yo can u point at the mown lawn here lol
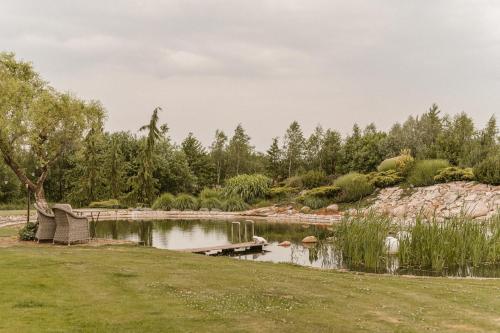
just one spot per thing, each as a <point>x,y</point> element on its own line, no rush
<point>133,289</point>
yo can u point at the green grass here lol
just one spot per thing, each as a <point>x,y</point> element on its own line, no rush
<point>9,231</point>
<point>129,289</point>
<point>12,212</point>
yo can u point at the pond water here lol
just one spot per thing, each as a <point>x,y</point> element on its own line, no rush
<point>184,234</point>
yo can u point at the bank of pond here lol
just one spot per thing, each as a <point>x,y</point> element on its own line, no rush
<point>455,247</point>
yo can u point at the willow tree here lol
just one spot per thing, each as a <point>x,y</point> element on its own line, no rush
<point>35,119</point>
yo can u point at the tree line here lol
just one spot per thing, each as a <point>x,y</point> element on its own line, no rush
<point>56,145</point>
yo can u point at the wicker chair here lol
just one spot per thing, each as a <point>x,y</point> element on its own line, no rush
<point>46,225</point>
<point>70,227</point>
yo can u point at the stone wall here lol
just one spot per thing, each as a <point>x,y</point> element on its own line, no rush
<point>442,200</point>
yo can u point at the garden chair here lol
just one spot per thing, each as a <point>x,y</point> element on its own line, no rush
<point>46,225</point>
<point>70,228</point>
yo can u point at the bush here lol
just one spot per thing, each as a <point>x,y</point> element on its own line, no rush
<point>295,182</point>
<point>210,193</point>
<point>234,204</point>
<point>28,232</point>
<point>314,178</point>
<point>282,192</point>
<point>385,178</point>
<point>164,202</point>
<point>424,171</point>
<point>210,203</point>
<point>111,203</point>
<point>185,202</point>
<point>323,192</point>
<point>402,163</point>
<point>451,174</point>
<point>354,186</point>
<point>313,202</point>
<point>247,187</point>
<point>488,171</point>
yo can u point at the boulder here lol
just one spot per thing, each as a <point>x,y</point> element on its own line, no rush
<point>285,244</point>
<point>476,209</point>
<point>334,208</point>
<point>310,239</point>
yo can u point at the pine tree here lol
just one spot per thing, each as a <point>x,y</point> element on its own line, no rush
<point>239,152</point>
<point>218,152</point>
<point>198,160</point>
<point>294,144</point>
<point>274,161</point>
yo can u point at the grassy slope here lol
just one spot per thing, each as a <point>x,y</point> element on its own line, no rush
<point>120,289</point>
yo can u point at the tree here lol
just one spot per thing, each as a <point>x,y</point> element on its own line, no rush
<point>239,152</point>
<point>115,165</point>
<point>37,119</point>
<point>314,158</point>
<point>456,139</point>
<point>218,152</point>
<point>144,184</point>
<point>293,147</point>
<point>274,161</point>
<point>198,160</point>
<point>330,151</point>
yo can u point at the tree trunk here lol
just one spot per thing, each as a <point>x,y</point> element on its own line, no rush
<point>40,199</point>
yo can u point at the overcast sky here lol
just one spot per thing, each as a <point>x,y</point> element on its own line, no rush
<point>214,64</point>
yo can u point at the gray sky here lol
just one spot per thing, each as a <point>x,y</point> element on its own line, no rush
<point>213,64</point>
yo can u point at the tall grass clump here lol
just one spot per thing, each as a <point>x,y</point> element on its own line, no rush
<point>423,173</point>
<point>234,204</point>
<point>185,202</point>
<point>354,186</point>
<point>247,187</point>
<point>455,243</point>
<point>164,202</point>
<point>361,240</point>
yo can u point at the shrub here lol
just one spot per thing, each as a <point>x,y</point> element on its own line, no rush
<point>453,174</point>
<point>313,202</point>
<point>323,192</point>
<point>314,178</point>
<point>210,203</point>
<point>185,202</point>
<point>402,163</point>
<point>247,187</point>
<point>28,232</point>
<point>111,203</point>
<point>282,192</point>
<point>210,193</point>
<point>385,178</point>
<point>234,204</point>
<point>164,202</point>
<point>295,181</point>
<point>354,186</point>
<point>424,171</point>
<point>488,171</point>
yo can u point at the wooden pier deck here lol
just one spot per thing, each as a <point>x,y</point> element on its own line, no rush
<point>227,249</point>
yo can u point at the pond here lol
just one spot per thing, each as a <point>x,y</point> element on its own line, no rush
<point>184,234</point>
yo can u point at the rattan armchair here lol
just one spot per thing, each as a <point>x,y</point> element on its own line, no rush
<point>70,228</point>
<point>46,225</point>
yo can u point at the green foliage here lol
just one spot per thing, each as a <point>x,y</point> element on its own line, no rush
<point>185,201</point>
<point>488,171</point>
<point>211,203</point>
<point>234,204</point>
<point>402,163</point>
<point>209,193</point>
<point>388,164</point>
<point>28,232</point>
<point>329,192</point>
<point>282,192</point>
<point>361,240</point>
<point>314,178</point>
<point>454,174</point>
<point>387,178</point>
<point>354,186</point>
<point>111,203</point>
<point>424,171</point>
<point>164,202</point>
<point>294,182</point>
<point>247,187</point>
<point>457,242</point>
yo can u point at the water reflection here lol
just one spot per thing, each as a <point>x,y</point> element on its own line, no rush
<point>181,234</point>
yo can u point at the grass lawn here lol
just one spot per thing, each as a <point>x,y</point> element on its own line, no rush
<point>12,212</point>
<point>125,288</point>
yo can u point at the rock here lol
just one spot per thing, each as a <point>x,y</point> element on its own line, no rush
<point>285,244</point>
<point>305,210</point>
<point>399,211</point>
<point>203,209</point>
<point>334,208</point>
<point>310,239</point>
<point>476,209</point>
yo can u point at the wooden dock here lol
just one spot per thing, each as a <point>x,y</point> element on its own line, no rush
<point>227,249</point>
